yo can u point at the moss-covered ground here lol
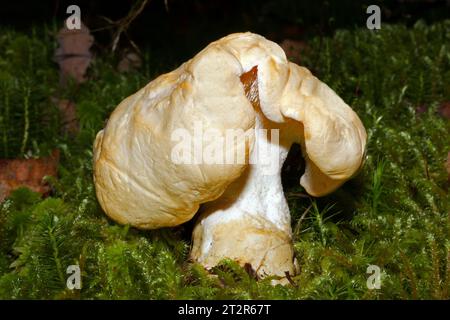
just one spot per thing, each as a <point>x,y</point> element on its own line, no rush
<point>394,214</point>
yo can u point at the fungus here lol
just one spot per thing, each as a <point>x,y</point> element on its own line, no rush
<point>242,82</point>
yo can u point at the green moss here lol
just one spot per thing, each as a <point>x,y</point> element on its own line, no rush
<point>394,214</point>
<point>29,121</point>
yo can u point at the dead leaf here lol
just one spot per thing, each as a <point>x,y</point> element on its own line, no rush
<point>73,55</point>
<point>15,173</point>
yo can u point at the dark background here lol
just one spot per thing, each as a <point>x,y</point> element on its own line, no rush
<point>179,28</point>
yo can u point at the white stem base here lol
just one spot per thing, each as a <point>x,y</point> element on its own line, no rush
<point>250,222</point>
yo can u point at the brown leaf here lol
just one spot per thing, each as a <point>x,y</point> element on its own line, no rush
<point>73,55</point>
<point>15,173</point>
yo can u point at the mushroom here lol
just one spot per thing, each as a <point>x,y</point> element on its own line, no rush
<point>244,83</point>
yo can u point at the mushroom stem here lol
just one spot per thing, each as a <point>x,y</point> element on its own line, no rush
<point>250,223</point>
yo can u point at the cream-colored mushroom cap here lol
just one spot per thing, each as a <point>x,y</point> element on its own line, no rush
<point>334,137</point>
<point>138,183</point>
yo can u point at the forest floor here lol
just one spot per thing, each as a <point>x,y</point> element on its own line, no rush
<point>394,214</point>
